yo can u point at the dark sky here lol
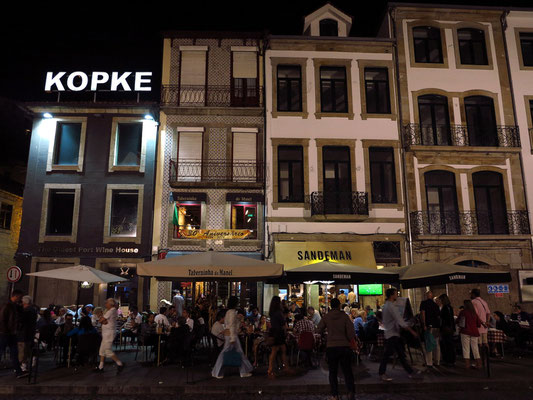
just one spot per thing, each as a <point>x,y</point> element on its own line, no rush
<point>119,35</point>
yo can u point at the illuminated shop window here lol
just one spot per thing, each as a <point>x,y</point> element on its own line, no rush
<point>244,216</point>
<point>187,216</point>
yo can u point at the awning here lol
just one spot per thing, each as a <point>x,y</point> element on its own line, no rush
<point>210,265</point>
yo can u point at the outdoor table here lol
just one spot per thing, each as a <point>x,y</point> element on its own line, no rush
<point>496,336</point>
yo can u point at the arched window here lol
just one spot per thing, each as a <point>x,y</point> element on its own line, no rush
<point>472,47</point>
<point>427,45</point>
<point>481,121</point>
<point>489,196</point>
<point>441,196</point>
<point>472,263</point>
<point>434,120</point>
<point>329,27</point>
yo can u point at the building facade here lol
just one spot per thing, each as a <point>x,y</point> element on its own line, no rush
<point>334,187</point>
<point>210,173</point>
<point>89,198</point>
<point>466,202</point>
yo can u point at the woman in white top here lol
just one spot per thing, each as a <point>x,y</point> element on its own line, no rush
<point>232,342</point>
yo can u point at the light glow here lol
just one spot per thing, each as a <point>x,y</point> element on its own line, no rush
<point>47,115</point>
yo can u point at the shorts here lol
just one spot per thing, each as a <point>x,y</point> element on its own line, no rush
<point>106,349</point>
<point>483,339</point>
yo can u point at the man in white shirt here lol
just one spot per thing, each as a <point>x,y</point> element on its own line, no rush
<point>218,328</point>
<point>178,301</point>
<point>188,318</point>
<point>313,315</point>
<point>161,318</point>
<point>109,326</point>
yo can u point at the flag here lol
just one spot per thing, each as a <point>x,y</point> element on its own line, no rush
<point>175,218</point>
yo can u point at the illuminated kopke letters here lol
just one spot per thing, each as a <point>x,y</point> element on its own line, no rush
<point>78,81</point>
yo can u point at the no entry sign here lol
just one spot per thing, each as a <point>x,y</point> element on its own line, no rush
<point>14,274</point>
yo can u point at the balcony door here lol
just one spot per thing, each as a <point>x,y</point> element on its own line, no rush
<point>189,163</point>
<point>441,196</point>
<point>244,157</point>
<point>481,121</point>
<point>491,210</point>
<point>244,87</point>
<point>337,180</point>
<point>434,120</point>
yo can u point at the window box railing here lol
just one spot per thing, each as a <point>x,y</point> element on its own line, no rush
<point>212,171</point>
<point>455,135</point>
<point>210,96</point>
<point>346,203</point>
<point>469,223</point>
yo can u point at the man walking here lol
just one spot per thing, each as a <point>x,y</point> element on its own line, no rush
<point>340,333</point>
<point>178,301</point>
<point>483,312</point>
<point>26,332</point>
<point>109,326</point>
<point>393,321</point>
<point>10,315</point>
<point>430,316</point>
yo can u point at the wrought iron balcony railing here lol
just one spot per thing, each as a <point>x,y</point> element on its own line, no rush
<point>223,171</point>
<point>459,135</point>
<point>469,223</point>
<point>348,203</point>
<point>211,96</point>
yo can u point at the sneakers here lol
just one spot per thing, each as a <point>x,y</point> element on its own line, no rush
<point>385,378</point>
<point>120,368</point>
<point>246,375</point>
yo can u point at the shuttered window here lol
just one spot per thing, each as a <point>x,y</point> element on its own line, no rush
<point>190,156</point>
<point>244,64</point>
<point>193,67</point>
<point>244,156</point>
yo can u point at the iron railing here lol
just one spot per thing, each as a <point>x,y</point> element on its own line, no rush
<point>349,203</point>
<point>211,96</point>
<point>458,135</point>
<point>241,171</point>
<point>470,223</point>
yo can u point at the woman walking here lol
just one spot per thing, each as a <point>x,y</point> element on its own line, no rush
<point>447,329</point>
<point>232,343</point>
<point>276,337</point>
<point>469,323</point>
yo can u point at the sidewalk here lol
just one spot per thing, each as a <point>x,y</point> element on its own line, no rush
<point>141,379</point>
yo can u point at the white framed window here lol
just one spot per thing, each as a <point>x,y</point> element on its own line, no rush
<point>66,146</point>
<point>123,213</point>
<point>60,213</point>
<point>128,143</point>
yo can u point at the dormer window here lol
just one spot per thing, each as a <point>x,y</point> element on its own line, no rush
<point>329,27</point>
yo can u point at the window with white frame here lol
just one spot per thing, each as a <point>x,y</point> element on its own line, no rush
<point>60,212</point>
<point>123,213</point>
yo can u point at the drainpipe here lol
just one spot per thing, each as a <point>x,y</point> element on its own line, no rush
<point>402,144</point>
<point>503,21</point>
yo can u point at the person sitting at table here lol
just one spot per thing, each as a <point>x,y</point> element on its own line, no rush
<point>98,313</point>
<point>359,323</point>
<point>148,328</point>
<point>179,341</point>
<point>261,332</point>
<point>131,327</point>
<point>161,318</point>
<point>218,329</point>
<point>88,340</point>
<point>519,315</point>
<point>171,314</point>
<point>60,317</point>
<point>354,313</point>
<point>294,309</point>
<point>61,336</point>
<point>253,316</point>
<point>313,315</point>
<point>188,320</point>
<point>371,327</point>
<point>301,325</point>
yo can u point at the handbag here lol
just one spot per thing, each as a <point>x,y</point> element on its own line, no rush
<point>430,341</point>
<point>232,358</point>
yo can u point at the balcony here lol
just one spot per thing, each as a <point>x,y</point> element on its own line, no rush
<point>339,203</point>
<point>457,135</point>
<point>469,223</point>
<point>216,173</point>
<point>211,96</point>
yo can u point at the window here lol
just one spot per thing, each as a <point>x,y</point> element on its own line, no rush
<point>434,120</point>
<point>481,121</point>
<point>128,143</point>
<point>290,174</point>
<point>427,45</point>
<point>245,91</point>
<point>244,216</point>
<point>60,212</point>
<point>333,93</point>
<point>441,196</point>
<point>329,27</point>
<point>337,180</point>
<point>192,78</point>
<point>244,156</point>
<point>491,210</point>
<point>526,44</point>
<point>472,47</point>
<point>189,166</point>
<point>377,91</point>
<point>289,88</point>
<point>187,216</point>
<point>124,208</point>
<point>67,143</point>
<point>382,175</point>
<point>6,212</point>
<point>472,263</point>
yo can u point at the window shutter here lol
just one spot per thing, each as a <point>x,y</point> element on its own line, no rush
<point>244,146</point>
<point>190,146</point>
<point>244,64</point>
<point>193,67</point>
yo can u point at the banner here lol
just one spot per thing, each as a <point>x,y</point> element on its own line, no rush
<point>214,234</point>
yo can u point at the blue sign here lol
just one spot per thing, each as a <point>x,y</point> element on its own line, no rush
<point>501,288</point>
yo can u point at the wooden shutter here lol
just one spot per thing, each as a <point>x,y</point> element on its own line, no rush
<point>244,64</point>
<point>193,68</point>
<point>190,156</point>
<point>244,156</point>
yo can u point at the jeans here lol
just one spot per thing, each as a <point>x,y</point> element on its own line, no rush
<point>10,341</point>
<point>394,345</point>
<point>342,355</point>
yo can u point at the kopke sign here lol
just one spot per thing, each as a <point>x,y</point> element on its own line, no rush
<point>495,289</point>
<point>79,81</point>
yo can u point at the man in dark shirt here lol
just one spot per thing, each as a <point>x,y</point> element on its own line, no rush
<point>430,316</point>
<point>10,316</point>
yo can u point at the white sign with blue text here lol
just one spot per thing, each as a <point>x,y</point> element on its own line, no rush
<point>500,288</point>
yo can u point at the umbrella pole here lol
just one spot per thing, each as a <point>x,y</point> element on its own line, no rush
<point>77,304</point>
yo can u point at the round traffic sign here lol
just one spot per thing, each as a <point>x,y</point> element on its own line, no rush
<point>14,274</point>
